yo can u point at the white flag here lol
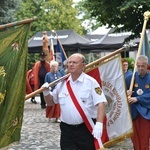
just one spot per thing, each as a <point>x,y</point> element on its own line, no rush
<point>118,122</point>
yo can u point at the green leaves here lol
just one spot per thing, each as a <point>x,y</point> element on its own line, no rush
<point>129,14</point>
<point>7,9</point>
<point>52,15</point>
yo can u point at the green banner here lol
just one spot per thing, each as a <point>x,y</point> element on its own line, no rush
<point>13,67</point>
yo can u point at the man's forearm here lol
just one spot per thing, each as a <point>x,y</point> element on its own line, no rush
<point>101,112</point>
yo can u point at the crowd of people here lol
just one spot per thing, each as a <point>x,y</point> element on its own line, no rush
<point>79,102</point>
<point>41,72</point>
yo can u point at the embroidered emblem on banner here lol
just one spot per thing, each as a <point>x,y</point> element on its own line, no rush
<point>98,90</point>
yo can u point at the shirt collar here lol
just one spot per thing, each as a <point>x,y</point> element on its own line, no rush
<point>80,78</point>
<point>144,75</point>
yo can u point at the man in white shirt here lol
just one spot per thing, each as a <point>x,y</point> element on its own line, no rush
<point>82,89</point>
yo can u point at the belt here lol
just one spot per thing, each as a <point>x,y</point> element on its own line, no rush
<point>74,125</point>
<point>77,125</point>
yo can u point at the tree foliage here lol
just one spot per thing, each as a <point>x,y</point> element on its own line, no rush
<point>87,21</point>
<point>116,13</point>
<point>52,15</point>
<point>7,10</point>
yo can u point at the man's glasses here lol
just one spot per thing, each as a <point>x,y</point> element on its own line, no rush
<point>74,62</point>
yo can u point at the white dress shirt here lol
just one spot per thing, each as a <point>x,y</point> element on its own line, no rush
<point>85,89</point>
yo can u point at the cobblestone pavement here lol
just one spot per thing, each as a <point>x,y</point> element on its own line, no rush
<point>39,133</point>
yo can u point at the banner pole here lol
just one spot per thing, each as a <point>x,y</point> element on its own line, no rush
<point>45,47</point>
<point>42,89</point>
<point>60,44</point>
<point>18,23</point>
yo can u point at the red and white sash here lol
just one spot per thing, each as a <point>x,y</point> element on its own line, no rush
<point>84,114</point>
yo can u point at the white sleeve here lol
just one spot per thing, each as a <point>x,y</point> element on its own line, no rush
<point>98,94</point>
